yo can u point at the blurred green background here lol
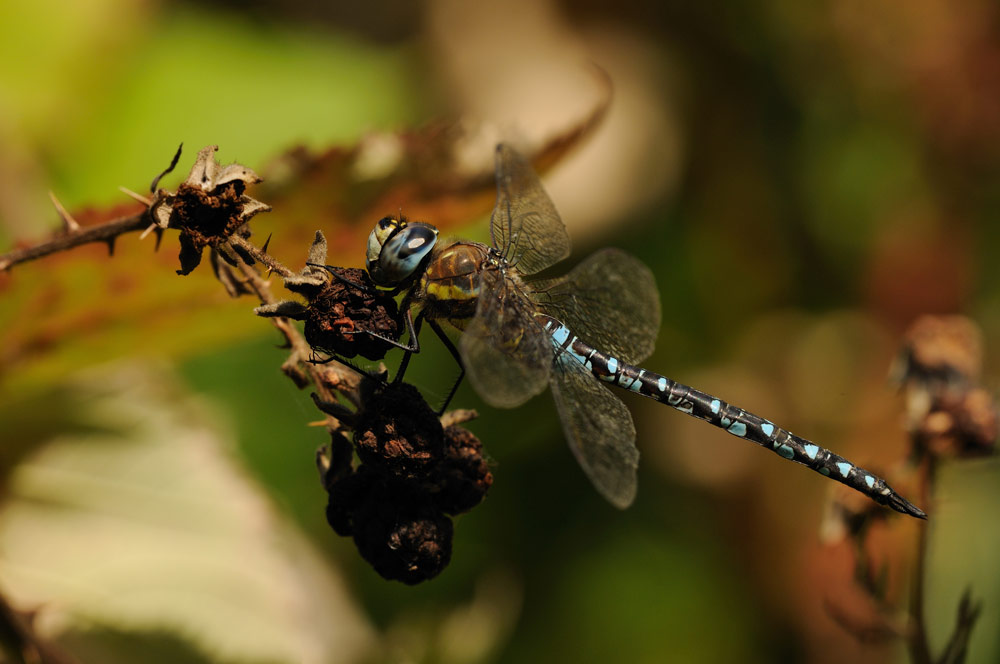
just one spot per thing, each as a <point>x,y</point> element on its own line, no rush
<point>805,179</point>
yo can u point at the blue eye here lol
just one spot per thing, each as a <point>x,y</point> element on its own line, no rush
<point>400,253</point>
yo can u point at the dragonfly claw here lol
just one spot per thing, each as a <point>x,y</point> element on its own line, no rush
<point>902,505</point>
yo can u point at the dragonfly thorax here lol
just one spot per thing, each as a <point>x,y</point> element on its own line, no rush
<point>398,249</point>
<point>450,284</point>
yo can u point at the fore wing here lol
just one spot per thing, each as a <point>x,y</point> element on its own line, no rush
<point>507,354</point>
<point>525,225</point>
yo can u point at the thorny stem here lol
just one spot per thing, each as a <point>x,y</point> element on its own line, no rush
<point>300,349</point>
<point>260,255</point>
<point>106,232</point>
<point>74,236</point>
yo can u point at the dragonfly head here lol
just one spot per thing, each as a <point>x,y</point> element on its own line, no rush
<point>397,249</point>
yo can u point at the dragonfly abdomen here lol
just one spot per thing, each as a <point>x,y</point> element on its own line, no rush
<point>732,419</point>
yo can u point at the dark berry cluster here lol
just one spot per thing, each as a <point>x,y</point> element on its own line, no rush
<point>414,473</point>
<point>345,309</point>
<point>345,314</point>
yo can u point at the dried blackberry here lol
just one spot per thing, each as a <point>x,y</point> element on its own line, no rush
<point>342,307</point>
<point>399,433</point>
<point>340,316</point>
<point>461,479</point>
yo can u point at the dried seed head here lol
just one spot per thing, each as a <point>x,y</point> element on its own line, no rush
<point>461,479</point>
<point>399,433</point>
<point>947,414</point>
<point>340,315</point>
<point>944,349</point>
<point>960,425</point>
<point>208,207</point>
<point>343,308</point>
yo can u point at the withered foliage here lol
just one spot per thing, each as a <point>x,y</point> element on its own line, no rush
<point>948,417</point>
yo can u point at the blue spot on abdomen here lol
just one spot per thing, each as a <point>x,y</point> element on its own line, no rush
<point>738,429</point>
<point>560,334</point>
<point>637,383</point>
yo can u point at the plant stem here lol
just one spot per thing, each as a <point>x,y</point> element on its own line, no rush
<point>918,645</point>
<point>106,232</point>
<point>260,255</point>
<point>347,380</point>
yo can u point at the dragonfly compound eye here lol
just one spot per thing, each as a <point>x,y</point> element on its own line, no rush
<point>384,229</point>
<point>402,253</point>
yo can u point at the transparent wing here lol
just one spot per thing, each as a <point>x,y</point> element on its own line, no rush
<point>525,225</point>
<point>507,354</point>
<point>610,300</point>
<point>599,430</point>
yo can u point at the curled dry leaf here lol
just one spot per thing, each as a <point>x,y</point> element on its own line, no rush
<point>427,173</point>
<point>339,188</point>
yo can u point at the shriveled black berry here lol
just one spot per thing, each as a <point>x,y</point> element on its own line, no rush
<point>461,479</point>
<point>399,433</point>
<point>401,533</point>
<point>340,314</point>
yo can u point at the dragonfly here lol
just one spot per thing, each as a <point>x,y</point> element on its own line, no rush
<point>578,334</point>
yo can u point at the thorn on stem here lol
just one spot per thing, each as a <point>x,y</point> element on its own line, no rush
<point>263,250</point>
<point>134,196</point>
<point>173,163</point>
<point>150,229</point>
<point>70,224</point>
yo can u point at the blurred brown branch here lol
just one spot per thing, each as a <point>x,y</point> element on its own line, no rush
<point>948,417</point>
<point>107,232</point>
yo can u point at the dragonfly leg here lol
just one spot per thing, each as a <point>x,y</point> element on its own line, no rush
<point>313,359</point>
<point>458,359</point>
<point>413,328</point>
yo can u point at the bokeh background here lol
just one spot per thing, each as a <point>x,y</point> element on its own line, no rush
<point>805,179</point>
